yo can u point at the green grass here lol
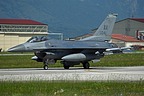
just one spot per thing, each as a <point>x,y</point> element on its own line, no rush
<point>18,61</point>
<point>136,59</point>
<point>71,88</point>
<point>24,61</point>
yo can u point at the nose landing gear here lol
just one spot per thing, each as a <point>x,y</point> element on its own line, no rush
<point>45,67</point>
<point>46,62</point>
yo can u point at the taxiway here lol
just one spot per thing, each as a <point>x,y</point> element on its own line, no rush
<point>74,73</point>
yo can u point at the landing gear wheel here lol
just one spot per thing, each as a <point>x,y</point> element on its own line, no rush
<point>66,67</point>
<point>86,65</point>
<point>45,62</point>
<point>45,67</point>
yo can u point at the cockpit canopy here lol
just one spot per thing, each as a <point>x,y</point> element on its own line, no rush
<point>38,39</point>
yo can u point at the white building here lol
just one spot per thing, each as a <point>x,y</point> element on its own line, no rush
<point>16,31</point>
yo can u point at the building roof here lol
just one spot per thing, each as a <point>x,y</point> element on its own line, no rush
<point>125,38</point>
<point>20,21</point>
<point>135,19</point>
<point>138,19</point>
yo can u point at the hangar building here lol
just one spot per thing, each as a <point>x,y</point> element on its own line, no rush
<point>16,31</point>
<point>129,32</point>
<point>129,26</point>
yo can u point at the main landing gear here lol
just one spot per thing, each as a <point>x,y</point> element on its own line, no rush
<point>67,64</point>
<point>86,65</point>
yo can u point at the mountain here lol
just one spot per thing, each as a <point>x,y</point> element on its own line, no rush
<point>70,17</point>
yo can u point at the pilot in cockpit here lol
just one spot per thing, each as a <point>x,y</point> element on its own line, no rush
<point>37,39</point>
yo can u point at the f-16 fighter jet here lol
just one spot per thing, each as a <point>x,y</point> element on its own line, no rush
<point>69,52</point>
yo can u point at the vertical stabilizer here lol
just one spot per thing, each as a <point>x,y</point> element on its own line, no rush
<point>103,33</point>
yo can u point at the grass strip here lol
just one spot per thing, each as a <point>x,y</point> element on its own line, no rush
<point>71,88</point>
<point>115,60</point>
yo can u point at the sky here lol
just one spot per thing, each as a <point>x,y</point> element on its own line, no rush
<point>71,17</point>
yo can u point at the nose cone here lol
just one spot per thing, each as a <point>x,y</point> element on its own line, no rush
<point>18,48</point>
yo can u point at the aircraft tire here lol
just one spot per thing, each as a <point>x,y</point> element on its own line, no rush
<point>86,65</point>
<point>66,66</point>
<point>45,67</point>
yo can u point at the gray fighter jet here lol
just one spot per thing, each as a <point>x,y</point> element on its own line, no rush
<point>71,53</point>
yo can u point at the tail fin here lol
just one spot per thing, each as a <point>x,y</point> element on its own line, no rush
<point>103,33</point>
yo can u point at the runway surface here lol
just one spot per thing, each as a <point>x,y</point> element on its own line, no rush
<point>74,73</point>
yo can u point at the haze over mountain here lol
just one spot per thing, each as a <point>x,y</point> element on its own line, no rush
<point>71,17</point>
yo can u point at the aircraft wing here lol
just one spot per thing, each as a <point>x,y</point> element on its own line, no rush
<point>68,48</point>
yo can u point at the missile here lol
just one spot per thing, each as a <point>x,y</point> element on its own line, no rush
<point>75,57</point>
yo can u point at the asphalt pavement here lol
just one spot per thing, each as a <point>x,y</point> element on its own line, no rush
<point>74,73</point>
